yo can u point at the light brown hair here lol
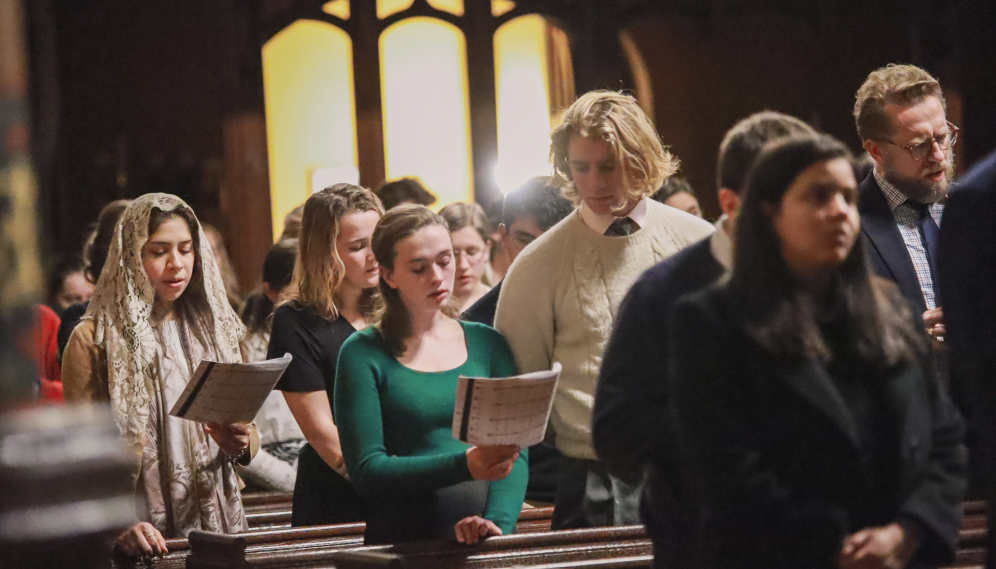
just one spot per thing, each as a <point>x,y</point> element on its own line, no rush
<point>894,84</point>
<point>399,223</point>
<point>617,119</point>
<point>459,215</point>
<point>319,271</point>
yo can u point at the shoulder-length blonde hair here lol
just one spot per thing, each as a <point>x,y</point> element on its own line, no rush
<point>617,119</point>
<point>319,271</point>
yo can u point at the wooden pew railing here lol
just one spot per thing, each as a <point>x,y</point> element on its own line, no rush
<point>325,545</point>
<point>531,520</point>
<point>501,551</point>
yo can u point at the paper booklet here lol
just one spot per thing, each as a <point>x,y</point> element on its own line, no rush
<point>504,410</point>
<point>228,393</point>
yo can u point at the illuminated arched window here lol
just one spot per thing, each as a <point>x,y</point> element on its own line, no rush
<point>532,87</point>
<point>426,110</point>
<point>310,117</point>
<point>409,113</point>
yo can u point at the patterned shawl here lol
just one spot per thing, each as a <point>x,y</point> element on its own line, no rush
<point>122,305</point>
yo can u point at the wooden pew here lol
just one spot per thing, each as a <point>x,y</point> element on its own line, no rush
<point>263,499</point>
<point>971,547</point>
<point>501,551</point>
<point>269,519</point>
<point>531,520</point>
<point>267,510</point>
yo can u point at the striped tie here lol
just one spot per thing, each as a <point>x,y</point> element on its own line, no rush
<point>622,227</point>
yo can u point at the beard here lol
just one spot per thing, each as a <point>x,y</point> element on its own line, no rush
<point>920,189</point>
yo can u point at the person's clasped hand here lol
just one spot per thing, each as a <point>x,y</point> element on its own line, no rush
<point>886,547</point>
<point>933,319</point>
<point>491,463</point>
<point>233,439</point>
<point>471,530</point>
<point>142,539</point>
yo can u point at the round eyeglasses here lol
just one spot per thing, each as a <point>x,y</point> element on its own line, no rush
<point>923,149</point>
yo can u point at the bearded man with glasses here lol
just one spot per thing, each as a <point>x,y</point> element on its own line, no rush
<point>900,115</point>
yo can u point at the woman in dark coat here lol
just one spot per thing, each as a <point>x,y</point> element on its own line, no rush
<point>808,421</point>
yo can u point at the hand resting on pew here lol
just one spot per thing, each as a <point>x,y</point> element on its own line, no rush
<point>885,547</point>
<point>470,530</point>
<point>142,539</point>
<point>491,463</point>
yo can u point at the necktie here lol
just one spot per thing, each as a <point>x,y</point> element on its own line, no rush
<point>622,227</point>
<point>929,231</point>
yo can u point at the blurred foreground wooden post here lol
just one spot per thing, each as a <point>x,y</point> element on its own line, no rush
<point>20,272</point>
<point>65,487</point>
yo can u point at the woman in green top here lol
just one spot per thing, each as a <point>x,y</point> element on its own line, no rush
<point>395,393</point>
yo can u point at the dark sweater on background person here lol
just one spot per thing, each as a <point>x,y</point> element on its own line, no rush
<point>483,311</point>
<point>630,419</point>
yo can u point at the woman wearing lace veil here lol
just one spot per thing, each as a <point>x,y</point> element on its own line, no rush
<point>158,310</point>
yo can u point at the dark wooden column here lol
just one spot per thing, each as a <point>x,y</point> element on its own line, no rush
<point>598,58</point>
<point>977,78</point>
<point>479,30</point>
<point>365,34</point>
<point>245,192</point>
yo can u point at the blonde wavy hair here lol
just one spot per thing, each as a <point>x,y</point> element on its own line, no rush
<point>895,84</point>
<point>617,119</point>
<point>319,271</point>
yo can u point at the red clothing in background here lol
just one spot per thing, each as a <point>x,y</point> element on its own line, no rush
<point>46,354</point>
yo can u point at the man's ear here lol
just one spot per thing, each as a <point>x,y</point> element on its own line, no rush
<point>874,149</point>
<point>270,293</point>
<point>388,276</point>
<point>729,202</point>
<point>503,236</point>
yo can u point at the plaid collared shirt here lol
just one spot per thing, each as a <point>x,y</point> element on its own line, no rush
<point>908,222</point>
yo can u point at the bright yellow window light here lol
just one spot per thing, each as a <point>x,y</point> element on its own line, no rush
<point>310,116</point>
<point>426,110</point>
<point>387,7</point>
<point>454,7</point>
<point>523,101</point>
<point>500,7</point>
<point>339,8</point>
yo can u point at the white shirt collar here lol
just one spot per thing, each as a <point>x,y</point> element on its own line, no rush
<point>721,245</point>
<point>600,223</point>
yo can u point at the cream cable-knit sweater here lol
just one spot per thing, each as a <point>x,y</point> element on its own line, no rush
<point>561,294</point>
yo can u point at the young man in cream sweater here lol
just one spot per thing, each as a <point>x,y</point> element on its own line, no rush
<point>562,292</point>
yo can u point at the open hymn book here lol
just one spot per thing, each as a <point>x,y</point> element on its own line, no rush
<point>228,393</point>
<point>504,410</point>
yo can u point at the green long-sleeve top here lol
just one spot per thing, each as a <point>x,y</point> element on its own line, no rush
<point>395,423</point>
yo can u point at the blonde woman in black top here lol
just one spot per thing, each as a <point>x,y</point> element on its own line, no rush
<point>334,293</point>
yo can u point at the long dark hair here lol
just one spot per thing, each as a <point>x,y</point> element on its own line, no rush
<point>192,308</point>
<point>278,270</point>
<point>772,305</point>
<point>99,241</point>
<point>398,223</point>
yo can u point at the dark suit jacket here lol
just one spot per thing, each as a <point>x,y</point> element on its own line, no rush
<point>884,244</point>
<point>771,451</point>
<point>967,267</point>
<point>629,427</point>
<point>483,311</point>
